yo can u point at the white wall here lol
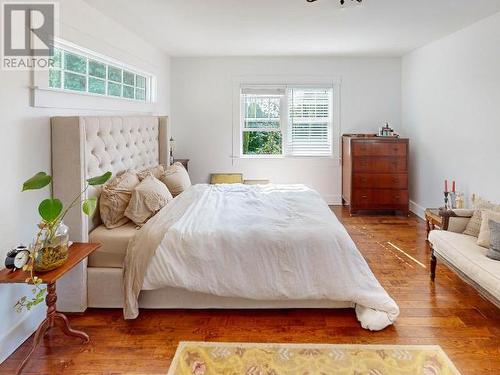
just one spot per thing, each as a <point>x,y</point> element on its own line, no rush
<point>25,143</point>
<point>451,112</point>
<point>202,112</point>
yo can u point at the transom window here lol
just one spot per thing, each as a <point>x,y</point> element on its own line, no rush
<point>83,72</point>
<point>286,121</point>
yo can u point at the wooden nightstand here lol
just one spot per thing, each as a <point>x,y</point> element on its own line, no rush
<point>433,219</point>
<point>77,253</point>
<point>184,162</point>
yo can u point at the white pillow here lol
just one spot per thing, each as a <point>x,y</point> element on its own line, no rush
<point>157,171</point>
<point>484,233</point>
<point>176,178</point>
<point>115,197</point>
<point>149,197</point>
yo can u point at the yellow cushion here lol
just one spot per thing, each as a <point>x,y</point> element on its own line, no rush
<point>226,178</point>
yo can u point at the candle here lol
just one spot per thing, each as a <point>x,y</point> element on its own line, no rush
<point>445,185</point>
<point>453,186</point>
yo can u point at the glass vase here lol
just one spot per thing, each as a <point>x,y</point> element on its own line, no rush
<point>51,251</point>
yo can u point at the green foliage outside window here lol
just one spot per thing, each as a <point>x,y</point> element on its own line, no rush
<point>262,143</point>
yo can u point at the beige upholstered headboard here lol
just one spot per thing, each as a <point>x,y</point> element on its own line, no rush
<point>84,147</point>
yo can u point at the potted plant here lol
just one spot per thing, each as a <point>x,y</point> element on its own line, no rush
<point>49,249</point>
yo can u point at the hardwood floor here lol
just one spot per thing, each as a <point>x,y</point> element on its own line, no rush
<point>448,313</point>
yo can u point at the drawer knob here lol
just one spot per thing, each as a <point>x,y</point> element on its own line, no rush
<point>364,196</point>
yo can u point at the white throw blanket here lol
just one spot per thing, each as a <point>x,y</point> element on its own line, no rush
<point>262,242</point>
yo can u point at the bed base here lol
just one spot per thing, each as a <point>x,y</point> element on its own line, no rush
<point>176,298</point>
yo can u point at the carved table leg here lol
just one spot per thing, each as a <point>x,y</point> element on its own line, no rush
<point>68,331</point>
<point>53,318</point>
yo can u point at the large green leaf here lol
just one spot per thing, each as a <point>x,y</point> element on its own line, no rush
<point>89,206</point>
<point>99,180</point>
<point>49,209</point>
<point>38,181</point>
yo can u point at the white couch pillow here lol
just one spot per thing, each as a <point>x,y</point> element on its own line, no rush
<point>176,178</point>
<point>484,233</point>
<point>149,197</point>
<point>474,225</point>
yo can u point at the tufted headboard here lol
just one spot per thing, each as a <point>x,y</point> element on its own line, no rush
<point>84,147</point>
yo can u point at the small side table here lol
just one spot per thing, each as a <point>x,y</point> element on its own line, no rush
<point>433,219</point>
<point>184,162</point>
<point>77,252</point>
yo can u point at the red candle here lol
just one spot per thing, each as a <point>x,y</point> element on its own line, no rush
<point>445,185</point>
<point>453,186</point>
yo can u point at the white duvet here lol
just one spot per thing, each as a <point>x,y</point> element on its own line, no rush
<point>263,242</point>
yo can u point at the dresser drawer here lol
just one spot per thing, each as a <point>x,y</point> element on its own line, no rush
<point>379,149</point>
<point>379,164</point>
<point>380,181</point>
<point>379,198</point>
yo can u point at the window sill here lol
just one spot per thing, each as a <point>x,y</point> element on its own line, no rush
<point>52,98</point>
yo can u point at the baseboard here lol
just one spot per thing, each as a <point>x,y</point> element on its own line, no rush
<point>333,199</point>
<point>21,331</point>
<point>417,209</point>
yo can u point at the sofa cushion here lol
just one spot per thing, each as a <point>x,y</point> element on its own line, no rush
<point>484,233</point>
<point>462,252</point>
<point>494,251</point>
<point>474,224</point>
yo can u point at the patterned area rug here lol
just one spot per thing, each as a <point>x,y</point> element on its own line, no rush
<point>205,358</point>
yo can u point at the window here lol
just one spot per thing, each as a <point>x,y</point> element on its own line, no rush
<point>81,71</point>
<point>261,133</point>
<point>286,121</point>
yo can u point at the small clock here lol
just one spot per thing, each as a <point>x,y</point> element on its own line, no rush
<point>17,258</point>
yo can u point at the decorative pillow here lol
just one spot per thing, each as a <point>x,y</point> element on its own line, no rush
<point>157,171</point>
<point>149,197</point>
<point>494,251</point>
<point>176,178</point>
<point>115,197</point>
<point>474,224</point>
<point>484,233</point>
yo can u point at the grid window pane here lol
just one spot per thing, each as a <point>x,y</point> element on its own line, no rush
<point>114,89</point>
<point>128,78</point>
<point>56,58</point>
<point>75,63</point>
<point>114,74</point>
<point>128,92</point>
<point>262,143</point>
<point>140,82</point>
<point>262,112</point>
<point>75,82</point>
<point>55,78</point>
<point>97,69</point>
<point>97,86</point>
<point>140,94</point>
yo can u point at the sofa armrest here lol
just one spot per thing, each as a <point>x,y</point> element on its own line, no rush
<point>456,220</point>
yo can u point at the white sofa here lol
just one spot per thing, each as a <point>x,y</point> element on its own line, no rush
<point>463,255</point>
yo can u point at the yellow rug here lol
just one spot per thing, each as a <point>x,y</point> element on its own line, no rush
<point>206,358</point>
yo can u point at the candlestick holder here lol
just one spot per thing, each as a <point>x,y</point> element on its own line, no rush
<point>453,202</point>
<point>446,193</point>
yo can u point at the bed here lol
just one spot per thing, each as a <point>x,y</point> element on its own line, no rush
<point>83,147</point>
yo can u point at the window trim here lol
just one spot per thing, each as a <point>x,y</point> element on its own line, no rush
<point>48,97</point>
<point>286,82</point>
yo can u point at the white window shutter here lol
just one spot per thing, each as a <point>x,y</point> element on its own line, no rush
<point>310,121</point>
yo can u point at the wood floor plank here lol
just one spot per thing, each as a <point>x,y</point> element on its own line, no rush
<point>449,313</point>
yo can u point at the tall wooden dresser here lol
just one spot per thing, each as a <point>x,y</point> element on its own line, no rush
<point>375,173</point>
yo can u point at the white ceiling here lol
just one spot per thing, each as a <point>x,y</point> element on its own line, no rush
<point>293,27</point>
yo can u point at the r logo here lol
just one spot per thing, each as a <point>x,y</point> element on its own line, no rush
<point>28,29</point>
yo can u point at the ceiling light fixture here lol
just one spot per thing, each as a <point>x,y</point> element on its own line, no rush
<point>342,2</point>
